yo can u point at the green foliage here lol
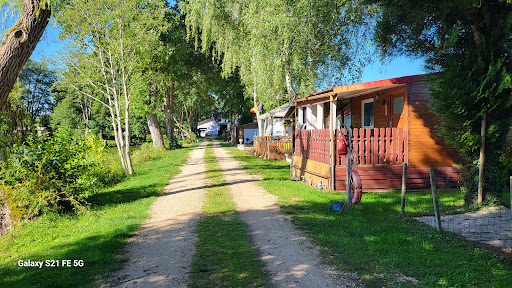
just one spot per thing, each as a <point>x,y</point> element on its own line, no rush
<point>174,144</point>
<point>192,139</point>
<point>269,40</point>
<point>467,45</point>
<point>96,236</point>
<point>38,80</point>
<point>146,152</point>
<point>110,38</point>
<point>55,174</point>
<point>65,114</point>
<point>15,123</point>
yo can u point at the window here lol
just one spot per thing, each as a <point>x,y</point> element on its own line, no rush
<point>398,105</point>
<point>367,113</point>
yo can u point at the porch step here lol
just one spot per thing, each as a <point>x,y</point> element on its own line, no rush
<point>387,177</point>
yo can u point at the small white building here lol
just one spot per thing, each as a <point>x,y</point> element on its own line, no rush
<point>274,122</point>
<point>211,127</point>
<point>208,127</point>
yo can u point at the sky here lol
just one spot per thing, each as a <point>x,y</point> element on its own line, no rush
<point>49,46</point>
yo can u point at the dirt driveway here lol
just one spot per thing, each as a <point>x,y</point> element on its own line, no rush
<point>161,252</point>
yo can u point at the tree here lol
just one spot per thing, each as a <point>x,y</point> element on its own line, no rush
<point>20,41</point>
<point>233,103</point>
<point>38,80</point>
<point>15,123</point>
<point>108,36</point>
<point>281,45</point>
<point>468,45</point>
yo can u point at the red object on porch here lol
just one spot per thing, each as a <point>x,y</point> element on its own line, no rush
<point>341,145</point>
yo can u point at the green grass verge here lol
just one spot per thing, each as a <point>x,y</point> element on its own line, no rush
<point>224,256</point>
<point>96,236</point>
<point>375,242</point>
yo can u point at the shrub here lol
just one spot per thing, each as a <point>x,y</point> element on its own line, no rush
<point>192,139</point>
<point>54,174</point>
<point>174,144</point>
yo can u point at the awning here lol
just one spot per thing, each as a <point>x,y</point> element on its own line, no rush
<point>279,112</point>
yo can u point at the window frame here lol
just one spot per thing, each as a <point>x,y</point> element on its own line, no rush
<point>363,102</point>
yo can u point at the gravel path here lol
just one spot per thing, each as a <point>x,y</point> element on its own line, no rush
<point>491,227</point>
<point>289,257</point>
<point>160,254</point>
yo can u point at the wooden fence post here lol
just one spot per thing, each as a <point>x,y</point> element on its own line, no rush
<point>434,198</point>
<point>404,182</point>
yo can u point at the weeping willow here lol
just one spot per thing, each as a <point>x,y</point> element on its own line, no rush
<point>15,123</point>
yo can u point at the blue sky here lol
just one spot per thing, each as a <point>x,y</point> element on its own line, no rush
<point>49,46</point>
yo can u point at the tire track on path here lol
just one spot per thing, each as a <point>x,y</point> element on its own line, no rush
<point>289,256</point>
<point>161,252</point>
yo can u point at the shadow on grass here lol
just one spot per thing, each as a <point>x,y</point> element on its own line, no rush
<point>226,257</point>
<point>147,181</point>
<point>379,245</point>
<point>109,223</point>
<point>91,250</point>
<point>382,247</point>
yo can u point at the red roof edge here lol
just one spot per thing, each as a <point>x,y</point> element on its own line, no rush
<point>377,84</point>
<point>204,121</point>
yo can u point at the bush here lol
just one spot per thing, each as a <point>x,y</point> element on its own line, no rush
<point>192,139</point>
<point>174,144</point>
<point>55,174</point>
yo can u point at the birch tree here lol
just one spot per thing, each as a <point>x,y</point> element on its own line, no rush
<point>107,37</point>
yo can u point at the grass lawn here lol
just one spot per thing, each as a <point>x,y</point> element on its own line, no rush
<point>96,237</point>
<point>224,256</point>
<point>384,249</point>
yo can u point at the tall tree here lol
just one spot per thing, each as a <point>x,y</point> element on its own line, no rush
<point>282,45</point>
<point>15,122</point>
<point>468,44</point>
<point>20,41</point>
<point>38,80</point>
<point>108,36</point>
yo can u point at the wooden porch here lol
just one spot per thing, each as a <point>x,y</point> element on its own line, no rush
<point>377,154</point>
<point>273,147</point>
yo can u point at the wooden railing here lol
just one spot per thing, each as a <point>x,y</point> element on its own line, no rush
<point>385,146</point>
<point>269,145</point>
<point>313,145</point>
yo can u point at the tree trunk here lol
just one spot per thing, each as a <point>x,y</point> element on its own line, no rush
<point>18,44</point>
<point>168,110</point>
<point>118,138</point>
<point>154,129</point>
<point>260,124</point>
<point>127,137</point>
<point>481,163</point>
<point>190,117</point>
<point>288,78</point>
<point>181,127</point>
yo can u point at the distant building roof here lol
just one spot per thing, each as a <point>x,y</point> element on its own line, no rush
<point>204,121</point>
<point>279,112</point>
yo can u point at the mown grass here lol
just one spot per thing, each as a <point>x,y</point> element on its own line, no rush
<point>224,256</point>
<point>378,244</point>
<point>96,236</point>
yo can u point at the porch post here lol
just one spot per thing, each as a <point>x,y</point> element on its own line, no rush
<point>333,154</point>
